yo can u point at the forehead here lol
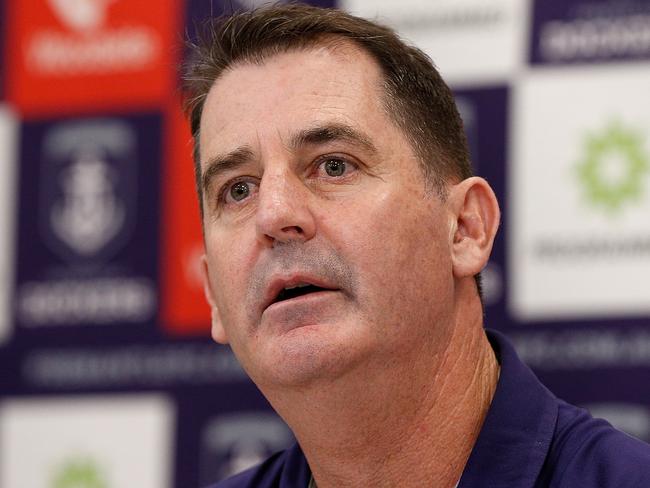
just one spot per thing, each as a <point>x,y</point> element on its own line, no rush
<point>250,102</point>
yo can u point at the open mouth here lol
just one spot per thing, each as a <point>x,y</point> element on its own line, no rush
<point>297,291</point>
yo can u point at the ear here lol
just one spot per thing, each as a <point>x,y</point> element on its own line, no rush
<point>476,214</point>
<point>218,332</point>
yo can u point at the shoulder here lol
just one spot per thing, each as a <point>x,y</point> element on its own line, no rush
<point>264,475</point>
<point>590,452</point>
<point>285,469</point>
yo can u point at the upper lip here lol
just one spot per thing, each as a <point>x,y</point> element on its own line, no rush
<point>278,283</point>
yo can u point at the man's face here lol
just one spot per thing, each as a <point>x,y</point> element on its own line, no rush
<point>325,251</point>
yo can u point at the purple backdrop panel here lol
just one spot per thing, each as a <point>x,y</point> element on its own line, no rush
<point>88,225</point>
<point>589,31</point>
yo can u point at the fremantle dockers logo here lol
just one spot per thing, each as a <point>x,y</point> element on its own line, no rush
<point>88,188</point>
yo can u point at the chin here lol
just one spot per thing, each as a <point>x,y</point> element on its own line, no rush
<point>302,359</point>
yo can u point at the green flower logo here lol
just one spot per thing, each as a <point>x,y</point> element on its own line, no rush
<point>613,167</point>
<point>79,473</point>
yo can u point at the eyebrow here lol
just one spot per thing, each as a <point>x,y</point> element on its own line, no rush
<point>312,136</point>
<point>330,133</point>
<point>225,162</point>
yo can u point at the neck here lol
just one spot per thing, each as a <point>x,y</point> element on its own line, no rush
<point>414,428</point>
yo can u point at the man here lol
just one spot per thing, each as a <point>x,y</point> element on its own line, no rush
<point>344,236</point>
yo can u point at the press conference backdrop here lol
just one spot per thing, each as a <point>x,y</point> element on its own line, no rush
<point>109,378</point>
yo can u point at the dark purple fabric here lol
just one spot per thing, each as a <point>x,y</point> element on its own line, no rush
<point>530,439</point>
<point>286,469</point>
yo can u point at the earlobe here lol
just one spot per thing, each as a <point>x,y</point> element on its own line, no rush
<point>476,220</point>
<point>218,332</point>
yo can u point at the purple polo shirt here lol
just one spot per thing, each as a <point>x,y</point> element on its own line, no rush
<point>530,439</point>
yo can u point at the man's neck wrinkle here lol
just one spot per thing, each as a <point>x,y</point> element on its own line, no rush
<point>420,436</point>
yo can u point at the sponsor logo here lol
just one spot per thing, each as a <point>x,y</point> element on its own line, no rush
<point>167,365</point>
<point>580,196</point>
<point>73,50</point>
<point>79,473</point>
<point>594,39</point>
<point>86,45</point>
<point>95,301</point>
<point>232,443</point>
<point>594,31</point>
<point>489,34</point>
<point>612,169</point>
<point>612,176</point>
<point>584,349</point>
<point>589,248</point>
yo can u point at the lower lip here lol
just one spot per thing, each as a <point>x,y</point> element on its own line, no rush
<point>300,306</point>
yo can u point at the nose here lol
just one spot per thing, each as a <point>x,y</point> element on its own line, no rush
<point>283,212</point>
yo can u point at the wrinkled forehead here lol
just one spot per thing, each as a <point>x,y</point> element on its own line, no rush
<point>337,80</point>
<point>325,48</point>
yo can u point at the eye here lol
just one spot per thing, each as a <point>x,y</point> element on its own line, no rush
<point>335,166</point>
<point>238,191</point>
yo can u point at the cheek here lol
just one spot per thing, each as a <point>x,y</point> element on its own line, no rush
<point>400,249</point>
<point>228,276</point>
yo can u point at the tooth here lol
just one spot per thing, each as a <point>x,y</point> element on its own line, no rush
<point>299,285</point>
